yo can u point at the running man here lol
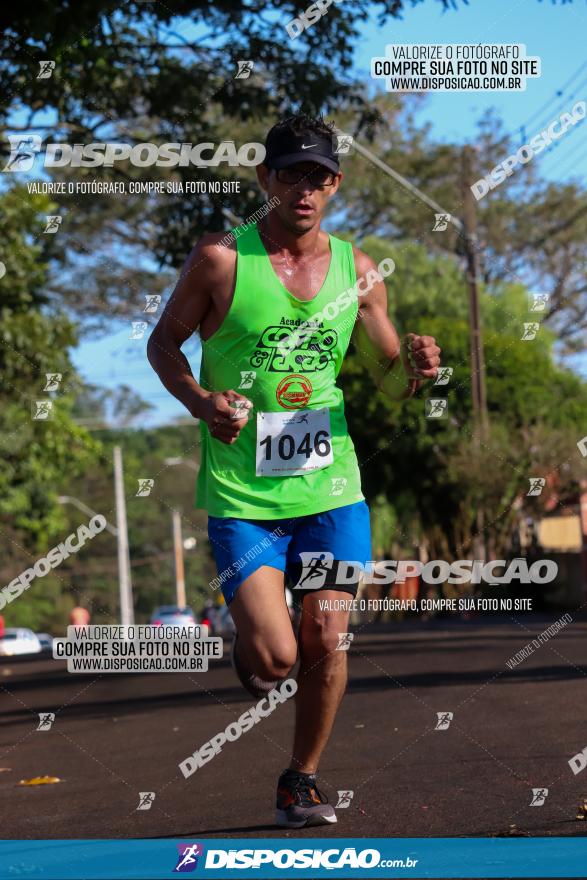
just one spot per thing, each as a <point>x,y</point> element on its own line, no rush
<point>279,476</point>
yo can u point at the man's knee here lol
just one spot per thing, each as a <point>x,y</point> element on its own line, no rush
<point>272,661</point>
<point>321,635</point>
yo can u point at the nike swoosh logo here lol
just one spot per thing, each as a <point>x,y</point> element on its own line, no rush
<point>308,146</point>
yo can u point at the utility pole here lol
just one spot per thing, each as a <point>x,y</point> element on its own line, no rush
<point>468,229</point>
<point>479,396</point>
<point>127,615</point>
<point>178,552</point>
<point>471,248</point>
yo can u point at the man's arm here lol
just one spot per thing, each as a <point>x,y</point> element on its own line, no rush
<point>208,272</point>
<point>397,367</point>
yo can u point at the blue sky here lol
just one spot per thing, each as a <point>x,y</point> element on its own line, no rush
<point>555,33</point>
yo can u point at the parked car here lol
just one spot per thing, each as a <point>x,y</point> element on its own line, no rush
<point>46,641</point>
<point>223,622</point>
<point>173,615</point>
<point>19,641</point>
<point>217,618</point>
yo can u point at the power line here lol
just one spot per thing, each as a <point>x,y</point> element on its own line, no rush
<point>574,147</point>
<point>96,425</point>
<point>577,161</point>
<point>564,156</point>
<point>405,183</point>
<point>558,94</point>
<point>563,103</point>
<point>110,566</point>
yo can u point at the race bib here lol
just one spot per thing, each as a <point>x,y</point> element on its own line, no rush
<point>293,443</point>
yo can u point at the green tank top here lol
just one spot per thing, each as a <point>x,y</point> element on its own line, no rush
<point>284,355</point>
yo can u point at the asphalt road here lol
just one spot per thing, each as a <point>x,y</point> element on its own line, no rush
<point>117,735</point>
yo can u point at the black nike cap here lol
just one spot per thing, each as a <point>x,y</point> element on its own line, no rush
<point>285,148</point>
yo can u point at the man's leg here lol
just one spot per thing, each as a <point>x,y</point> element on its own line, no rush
<point>266,641</point>
<point>331,536</point>
<point>322,677</point>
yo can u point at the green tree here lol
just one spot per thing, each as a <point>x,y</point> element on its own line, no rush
<point>166,72</point>
<point>145,455</point>
<point>34,341</point>
<point>530,231</point>
<point>431,470</point>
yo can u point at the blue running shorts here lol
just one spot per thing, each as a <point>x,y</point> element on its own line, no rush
<point>307,548</point>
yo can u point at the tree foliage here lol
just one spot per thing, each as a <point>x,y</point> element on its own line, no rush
<point>166,73</point>
<point>160,72</point>
<point>529,231</point>
<point>431,471</point>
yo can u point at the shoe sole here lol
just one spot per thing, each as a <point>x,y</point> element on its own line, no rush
<point>257,692</point>
<point>282,820</point>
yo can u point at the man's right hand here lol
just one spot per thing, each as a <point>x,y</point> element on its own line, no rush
<point>226,413</point>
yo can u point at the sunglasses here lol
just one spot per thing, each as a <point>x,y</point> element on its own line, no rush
<point>318,178</point>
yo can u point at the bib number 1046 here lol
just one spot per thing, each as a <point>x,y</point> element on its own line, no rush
<point>286,446</point>
<point>289,445</point>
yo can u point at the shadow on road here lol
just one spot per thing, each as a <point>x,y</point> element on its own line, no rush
<point>126,701</point>
<point>199,832</point>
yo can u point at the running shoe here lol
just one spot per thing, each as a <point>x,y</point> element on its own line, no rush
<point>256,686</point>
<point>300,802</point>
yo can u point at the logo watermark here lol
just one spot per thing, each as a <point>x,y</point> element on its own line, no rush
<point>247,378</point>
<point>344,144</point>
<point>539,796</point>
<point>330,858</point>
<point>343,301</point>
<point>244,69</point>
<point>138,329</point>
<point>317,564</point>
<point>46,720</point>
<point>99,154</point>
<point>257,215</point>
<point>344,800</point>
<point>344,641</point>
<point>145,486</point>
<point>146,800</point>
<point>539,302</point>
<point>152,303</point>
<point>530,331</point>
<point>52,381</point>
<point>42,410</point>
<point>53,222</point>
<point>235,730</point>
<point>46,69</point>
<point>142,648</point>
<point>338,485</point>
<point>436,408</point>
<point>187,861</point>
<point>441,222</point>
<point>445,67</point>
<point>544,636</point>
<point>525,153</point>
<point>310,16</point>
<point>443,376</point>
<point>254,551</point>
<point>54,557</point>
<point>537,484</point>
<point>443,720</point>
<point>579,761</point>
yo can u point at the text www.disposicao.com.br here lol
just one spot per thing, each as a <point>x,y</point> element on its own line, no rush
<point>135,664</point>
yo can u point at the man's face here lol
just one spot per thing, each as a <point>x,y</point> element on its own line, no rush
<point>303,191</point>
